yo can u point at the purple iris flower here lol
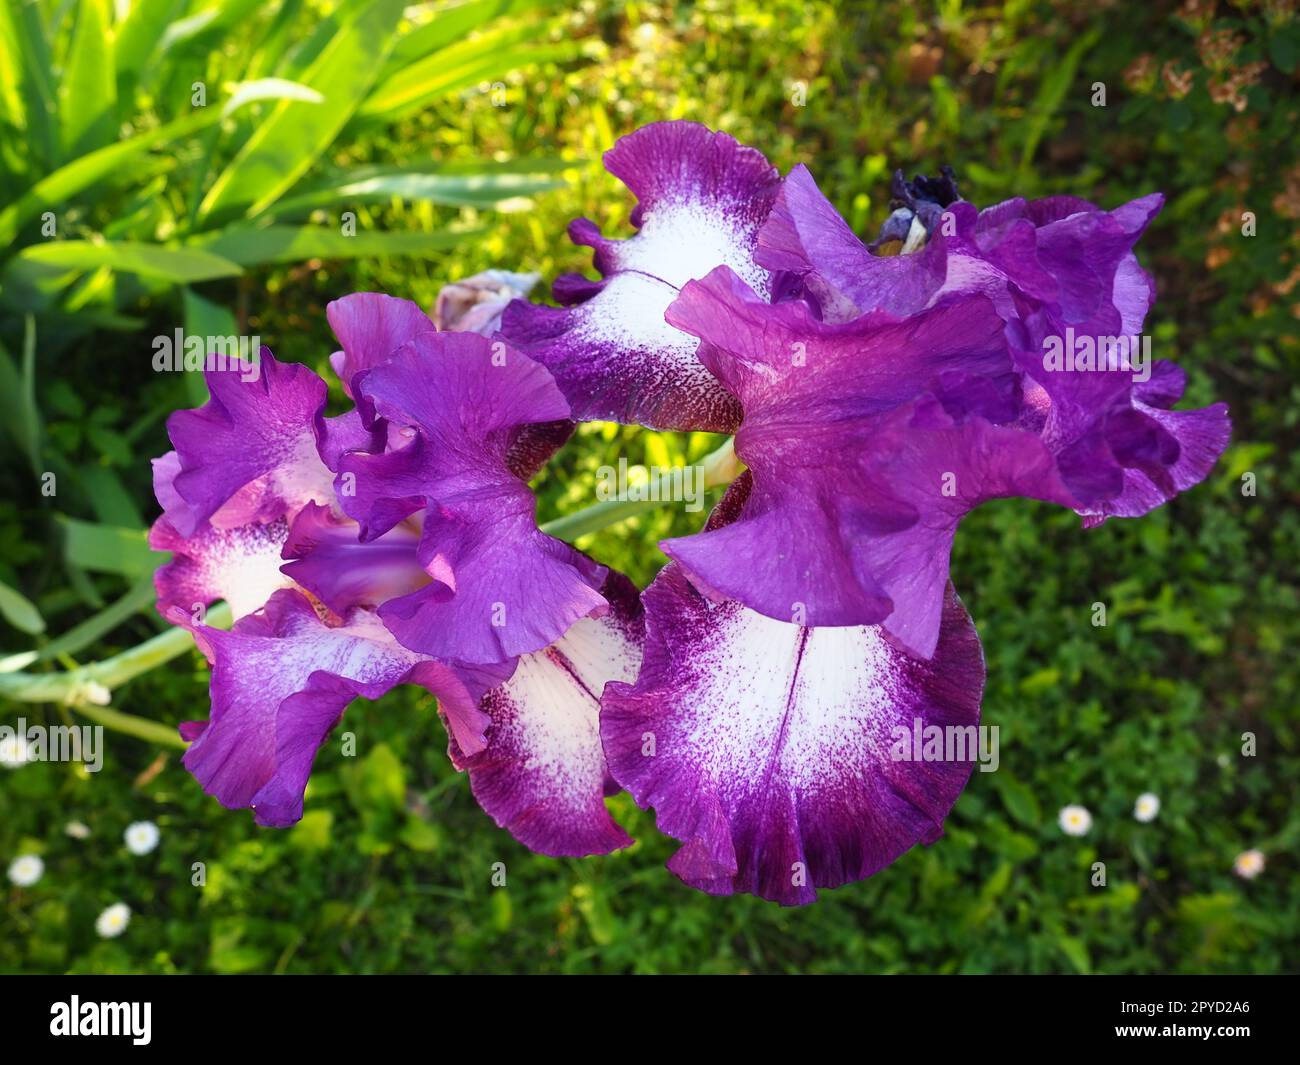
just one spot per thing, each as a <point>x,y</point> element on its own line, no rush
<point>755,694</point>
<point>903,391</point>
<point>392,544</point>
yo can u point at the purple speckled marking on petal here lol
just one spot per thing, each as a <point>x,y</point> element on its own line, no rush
<point>542,775</point>
<point>701,199</point>
<point>240,565</point>
<point>767,748</point>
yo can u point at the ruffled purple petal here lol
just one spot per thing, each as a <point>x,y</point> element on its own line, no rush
<point>920,475</point>
<point>499,587</point>
<point>701,199</point>
<point>371,326</point>
<point>280,682</point>
<point>1054,268</point>
<point>1200,437</point>
<point>816,396</point>
<point>250,452</point>
<point>542,775</point>
<point>769,748</point>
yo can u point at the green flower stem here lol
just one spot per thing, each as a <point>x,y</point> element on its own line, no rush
<point>87,689</point>
<point>720,467</point>
<point>130,725</point>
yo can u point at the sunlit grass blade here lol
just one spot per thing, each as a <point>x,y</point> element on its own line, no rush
<point>288,142</point>
<point>55,190</point>
<point>278,244</point>
<point>457,190</point>
<point>148,260</point>
<point>88,87</point>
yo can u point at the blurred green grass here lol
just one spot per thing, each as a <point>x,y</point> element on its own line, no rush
<point>391,868</point>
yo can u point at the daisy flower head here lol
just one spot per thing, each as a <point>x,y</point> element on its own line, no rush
<point>1249,864</point>
<point>1146,807</point>
<point>113,921</point>
<point>26,870</point>
<point>15,752</point>
<point>141,837</point>
<point>1074,820</point>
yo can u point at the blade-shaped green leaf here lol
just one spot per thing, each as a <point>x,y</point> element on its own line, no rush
<point>55,190</point>
<point>458,190</point>
<point>88,88</point>
<point>107,548</point>
<point>1051,94</point>
<point>222,15</point>
<point>203,318</point>
<point>454,22</point>
<point>109,498</point>
<point>245,92</point>
<point>280,244</point>
<point>461,66</point>
<point>20,611</point>
<point>138,35</point>
<point>18,407</point>
<point>284,147</point>
<point>13,110</point>
<point>38,82</point>
<point>148,260</point>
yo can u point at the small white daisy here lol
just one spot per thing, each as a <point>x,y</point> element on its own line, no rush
<point>77,830</point>
<point>15,751</point>
<point>141,837</point>
<point>1146,807</point>
<point>113,921</point>
<point>1074,820</point>
<point>26,869</point>
<point>1249,864</point>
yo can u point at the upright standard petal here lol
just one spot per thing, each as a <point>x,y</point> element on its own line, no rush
<point>371,326</point>
<point>702,197</point>
<point>498,587</point>
<point>782,756</point>
<point>542,775</point>
<point>1062,272</point>
<point>816,397</point>
<point>280,682</point>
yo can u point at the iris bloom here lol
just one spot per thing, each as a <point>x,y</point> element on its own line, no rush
<point>755,694</point>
